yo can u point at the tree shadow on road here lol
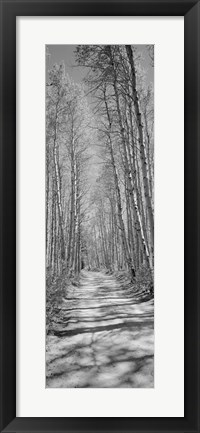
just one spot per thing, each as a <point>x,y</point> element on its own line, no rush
<point>102,337</point>
<point>111,355</point>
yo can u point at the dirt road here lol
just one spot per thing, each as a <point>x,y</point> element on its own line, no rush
<point>103,337</point>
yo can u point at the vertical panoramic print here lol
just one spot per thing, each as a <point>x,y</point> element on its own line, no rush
<point>100,216</point>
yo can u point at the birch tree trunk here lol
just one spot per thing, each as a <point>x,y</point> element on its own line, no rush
<point>118,196</point>
<point>141,142</point>
<point>127,170</point>
<point>57,176</point>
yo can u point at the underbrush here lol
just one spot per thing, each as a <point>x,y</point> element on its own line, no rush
<point>145,280</point>
<point>141,285</point>
<point>56,289</point>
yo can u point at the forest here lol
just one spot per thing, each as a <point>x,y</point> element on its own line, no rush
<point>100,217</point>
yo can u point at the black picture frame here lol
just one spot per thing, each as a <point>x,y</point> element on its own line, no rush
<point>190,9</point>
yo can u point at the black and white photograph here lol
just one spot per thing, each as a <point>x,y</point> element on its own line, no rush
<point>99,216</point>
